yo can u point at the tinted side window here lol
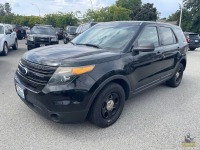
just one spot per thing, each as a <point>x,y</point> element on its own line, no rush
<point>179,34</point>
<point>149,36</point>
<point>167,36</point>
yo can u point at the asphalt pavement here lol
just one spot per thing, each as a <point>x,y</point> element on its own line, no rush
<point>157,119</point>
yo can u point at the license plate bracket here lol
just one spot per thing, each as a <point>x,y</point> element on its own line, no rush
<point>42,45</point>
<point>20,91</point>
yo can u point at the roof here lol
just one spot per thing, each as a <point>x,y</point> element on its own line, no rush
<point>190,33</point>
<point>137,23</point>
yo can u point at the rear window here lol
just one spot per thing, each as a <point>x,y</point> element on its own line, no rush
<point>180,35</point>
<point>167,36</point>
<point>194,36</point>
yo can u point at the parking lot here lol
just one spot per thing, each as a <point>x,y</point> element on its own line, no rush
<point>158,118</point>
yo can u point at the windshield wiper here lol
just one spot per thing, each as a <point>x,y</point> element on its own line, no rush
<point>72,43</point>
<point>91,45</point>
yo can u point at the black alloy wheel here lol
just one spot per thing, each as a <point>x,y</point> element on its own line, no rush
<point>177,78</point>
<point>108,105</point>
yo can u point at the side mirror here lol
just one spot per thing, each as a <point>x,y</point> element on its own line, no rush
<point>147,47</point>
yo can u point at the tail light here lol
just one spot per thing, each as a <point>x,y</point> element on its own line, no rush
<point>188,39</point>
<point>16,30</point>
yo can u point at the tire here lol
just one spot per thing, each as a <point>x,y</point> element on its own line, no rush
<point>65,41</point>
<point>15,46</point>
<point>177,78</point>
<point>108,106</point>
<point>192,49</point>
<point>20,38</point>
<point>29,47</point>
<point>5,49</point>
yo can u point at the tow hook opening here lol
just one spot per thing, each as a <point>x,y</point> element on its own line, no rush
<point>55,117</point>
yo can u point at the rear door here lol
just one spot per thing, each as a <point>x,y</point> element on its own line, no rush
<point>171,50</point>
<point>13,35</point>
<point>147,64</point>
<point>8,36</point>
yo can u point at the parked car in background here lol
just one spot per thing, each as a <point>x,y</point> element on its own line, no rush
<point>41,35</point>
<point>69,34</point>
<point>83,27</point>
<point>20,31</point>
<point>28,31</point>
<point>93,75</point>
<point>59,32</point>
<point>193,40</point>
<point>8,39</point>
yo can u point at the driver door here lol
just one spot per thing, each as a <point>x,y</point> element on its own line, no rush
<point>148,64</point>
<point>8,36</point>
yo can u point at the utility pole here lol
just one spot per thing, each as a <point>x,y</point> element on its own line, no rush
<point>181,14</point>
<point>37,8</point>
<point>91,4</point>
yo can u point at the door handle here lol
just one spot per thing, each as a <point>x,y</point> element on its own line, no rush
<point>163,56</point>
<point>158,52</point>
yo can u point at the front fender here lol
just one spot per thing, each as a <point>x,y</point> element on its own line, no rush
<point>96,88</point>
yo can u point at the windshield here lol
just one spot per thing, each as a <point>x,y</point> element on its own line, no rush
<point>43,30</point>
<point>107,37</point>
<point>1,30</point>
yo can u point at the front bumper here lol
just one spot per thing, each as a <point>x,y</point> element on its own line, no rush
<point>60,106</point>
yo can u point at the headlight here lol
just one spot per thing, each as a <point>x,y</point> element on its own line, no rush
<point>54,39</point>
<point>65,75</point>
<point>30,38</point>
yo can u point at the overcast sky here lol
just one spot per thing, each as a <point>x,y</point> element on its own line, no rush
<point>29,7</point>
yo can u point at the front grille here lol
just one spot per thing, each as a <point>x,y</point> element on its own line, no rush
<point>34,75</point>
<point>44,40</point>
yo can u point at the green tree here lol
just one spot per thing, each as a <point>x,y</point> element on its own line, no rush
<point>112,13</point>
<point>147,13</point>
<point>129,4</point>
<point>186,22</point>
<point>193,7</point>
<point>60,19</point>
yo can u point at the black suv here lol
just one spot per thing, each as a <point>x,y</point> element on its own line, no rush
<point>193,40</point>
<point>69,34</point>
<point>20,31</point>
<point>41,35</point>
<point>95,73</point>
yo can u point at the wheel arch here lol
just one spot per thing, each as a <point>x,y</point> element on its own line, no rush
<point>184,62</point>
<point>119,79</point>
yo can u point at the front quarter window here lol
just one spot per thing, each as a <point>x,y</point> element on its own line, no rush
<point>149,36</point>
<point>107,36</point>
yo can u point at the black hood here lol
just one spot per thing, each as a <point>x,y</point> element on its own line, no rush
<point>70,55</point>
